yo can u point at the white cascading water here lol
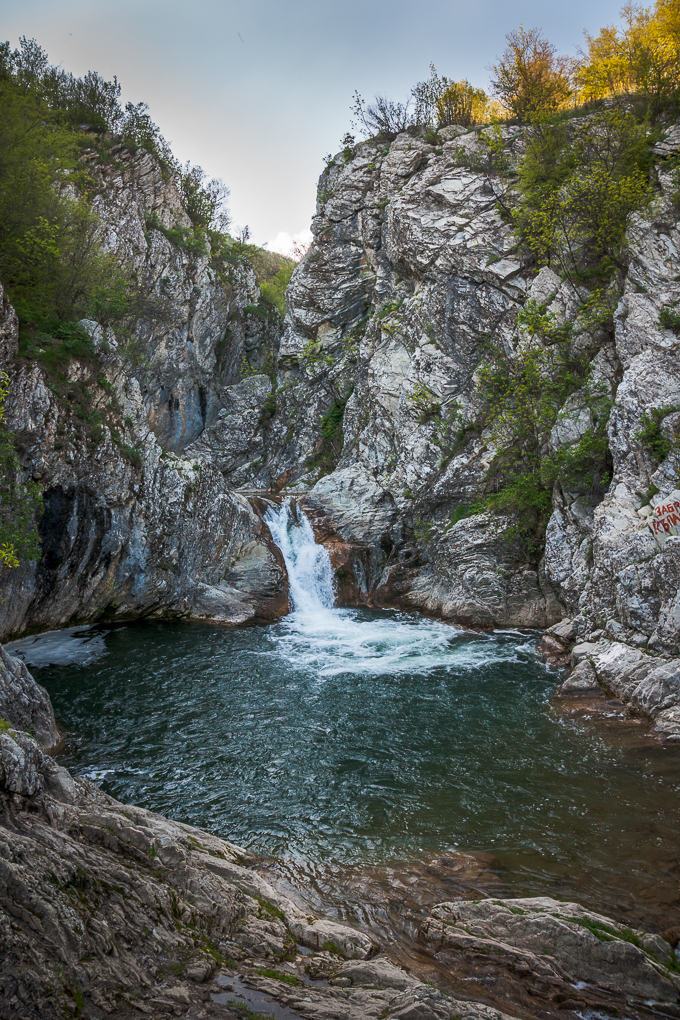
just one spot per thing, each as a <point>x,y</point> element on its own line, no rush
<point>320,636</point>
<point>310,574</point>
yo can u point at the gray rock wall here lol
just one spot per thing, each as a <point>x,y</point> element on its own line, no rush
<point>411,268</point>
<point>133,525</point>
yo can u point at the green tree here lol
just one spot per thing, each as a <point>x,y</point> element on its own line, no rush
<point>577,190</point>
<point>531,79</point>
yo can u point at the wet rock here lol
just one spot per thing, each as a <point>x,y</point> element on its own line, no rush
<point>24,703</point>
<point>549,942</point>
<point>582,680</point>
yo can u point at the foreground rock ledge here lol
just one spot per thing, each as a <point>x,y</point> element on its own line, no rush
<point>108,910</point>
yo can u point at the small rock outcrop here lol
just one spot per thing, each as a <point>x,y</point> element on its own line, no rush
<point>568,957</point>
<point>24,704</point>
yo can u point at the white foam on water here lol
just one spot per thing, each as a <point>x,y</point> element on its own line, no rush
<point>318,635</point>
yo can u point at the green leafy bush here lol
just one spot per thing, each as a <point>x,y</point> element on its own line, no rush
<point>577,188</point>
<point>651,435</point>
<point>20,502</point>
<point>669,319</point>
<point>523,395</point>
<point>274,288</point>
<point>331,422</point>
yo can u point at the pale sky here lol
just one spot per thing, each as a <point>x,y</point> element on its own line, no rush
<point>258,91</point>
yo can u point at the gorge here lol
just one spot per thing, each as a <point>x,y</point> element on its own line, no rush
<point>298,576</point>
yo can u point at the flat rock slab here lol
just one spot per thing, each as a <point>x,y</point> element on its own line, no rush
<point>555,946</point>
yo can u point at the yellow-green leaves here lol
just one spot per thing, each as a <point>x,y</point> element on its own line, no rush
<point>578,190</point>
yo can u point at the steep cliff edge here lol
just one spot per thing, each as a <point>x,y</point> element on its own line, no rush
<point>132,525</point>
<point>375,418</point>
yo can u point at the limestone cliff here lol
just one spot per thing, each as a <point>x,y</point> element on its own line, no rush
<point>132,525</point>
<point>411,269</point>
<point>366,408</point>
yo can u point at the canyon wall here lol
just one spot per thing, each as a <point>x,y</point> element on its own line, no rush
<point>365,407</point>
<point>412,268</point>
<point>133,525</point>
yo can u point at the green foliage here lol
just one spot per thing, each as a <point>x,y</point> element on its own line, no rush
<point>604,932</point>
<point>329,448</point>
<point>274,288</point>
<point>313,354</point>
<point>331,422</point>
<point>268,410</point>
<point>424,402</point>
<point>54,343</point>
<point>530,78</point>
<point>241,1009</point>
<point>272,271</point>
<point>523,396</point>
<point>348,148</point>
<point>460,513</point>
<point>651,435</point>
<point>278,975</point>
<point>20,502</point>
<point>270,908</point>
<point>131,453</point>
<point>204,201</point>
<point>51,260</point>
<point>389,308</point>
<point>193,241</point>
<point>331,947</point>
<point>670,319</point>
<point>577,189</point>
<point>444,101</point>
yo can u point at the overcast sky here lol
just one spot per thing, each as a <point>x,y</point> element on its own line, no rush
<point>258,91</point>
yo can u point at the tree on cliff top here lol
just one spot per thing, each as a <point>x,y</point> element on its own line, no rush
<point>531,79</point>
<point>642,58</point>
<point>442,101</point>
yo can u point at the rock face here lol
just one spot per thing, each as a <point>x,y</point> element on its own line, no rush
<point>24,704</point>
<point>410,269</point>
<point>607,565</point>
<point>569,958</point>
<point>134,524</point>
<point>364,408</point>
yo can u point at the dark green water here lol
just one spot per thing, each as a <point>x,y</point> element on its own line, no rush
<point>290,740</point>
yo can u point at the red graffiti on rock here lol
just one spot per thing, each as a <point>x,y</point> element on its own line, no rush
<point>666,516</point>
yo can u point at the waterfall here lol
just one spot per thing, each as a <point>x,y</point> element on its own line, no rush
<point>310,574</point>
<point>321,637</point>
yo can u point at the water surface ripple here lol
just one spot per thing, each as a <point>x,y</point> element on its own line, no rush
<point>349,741</point>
